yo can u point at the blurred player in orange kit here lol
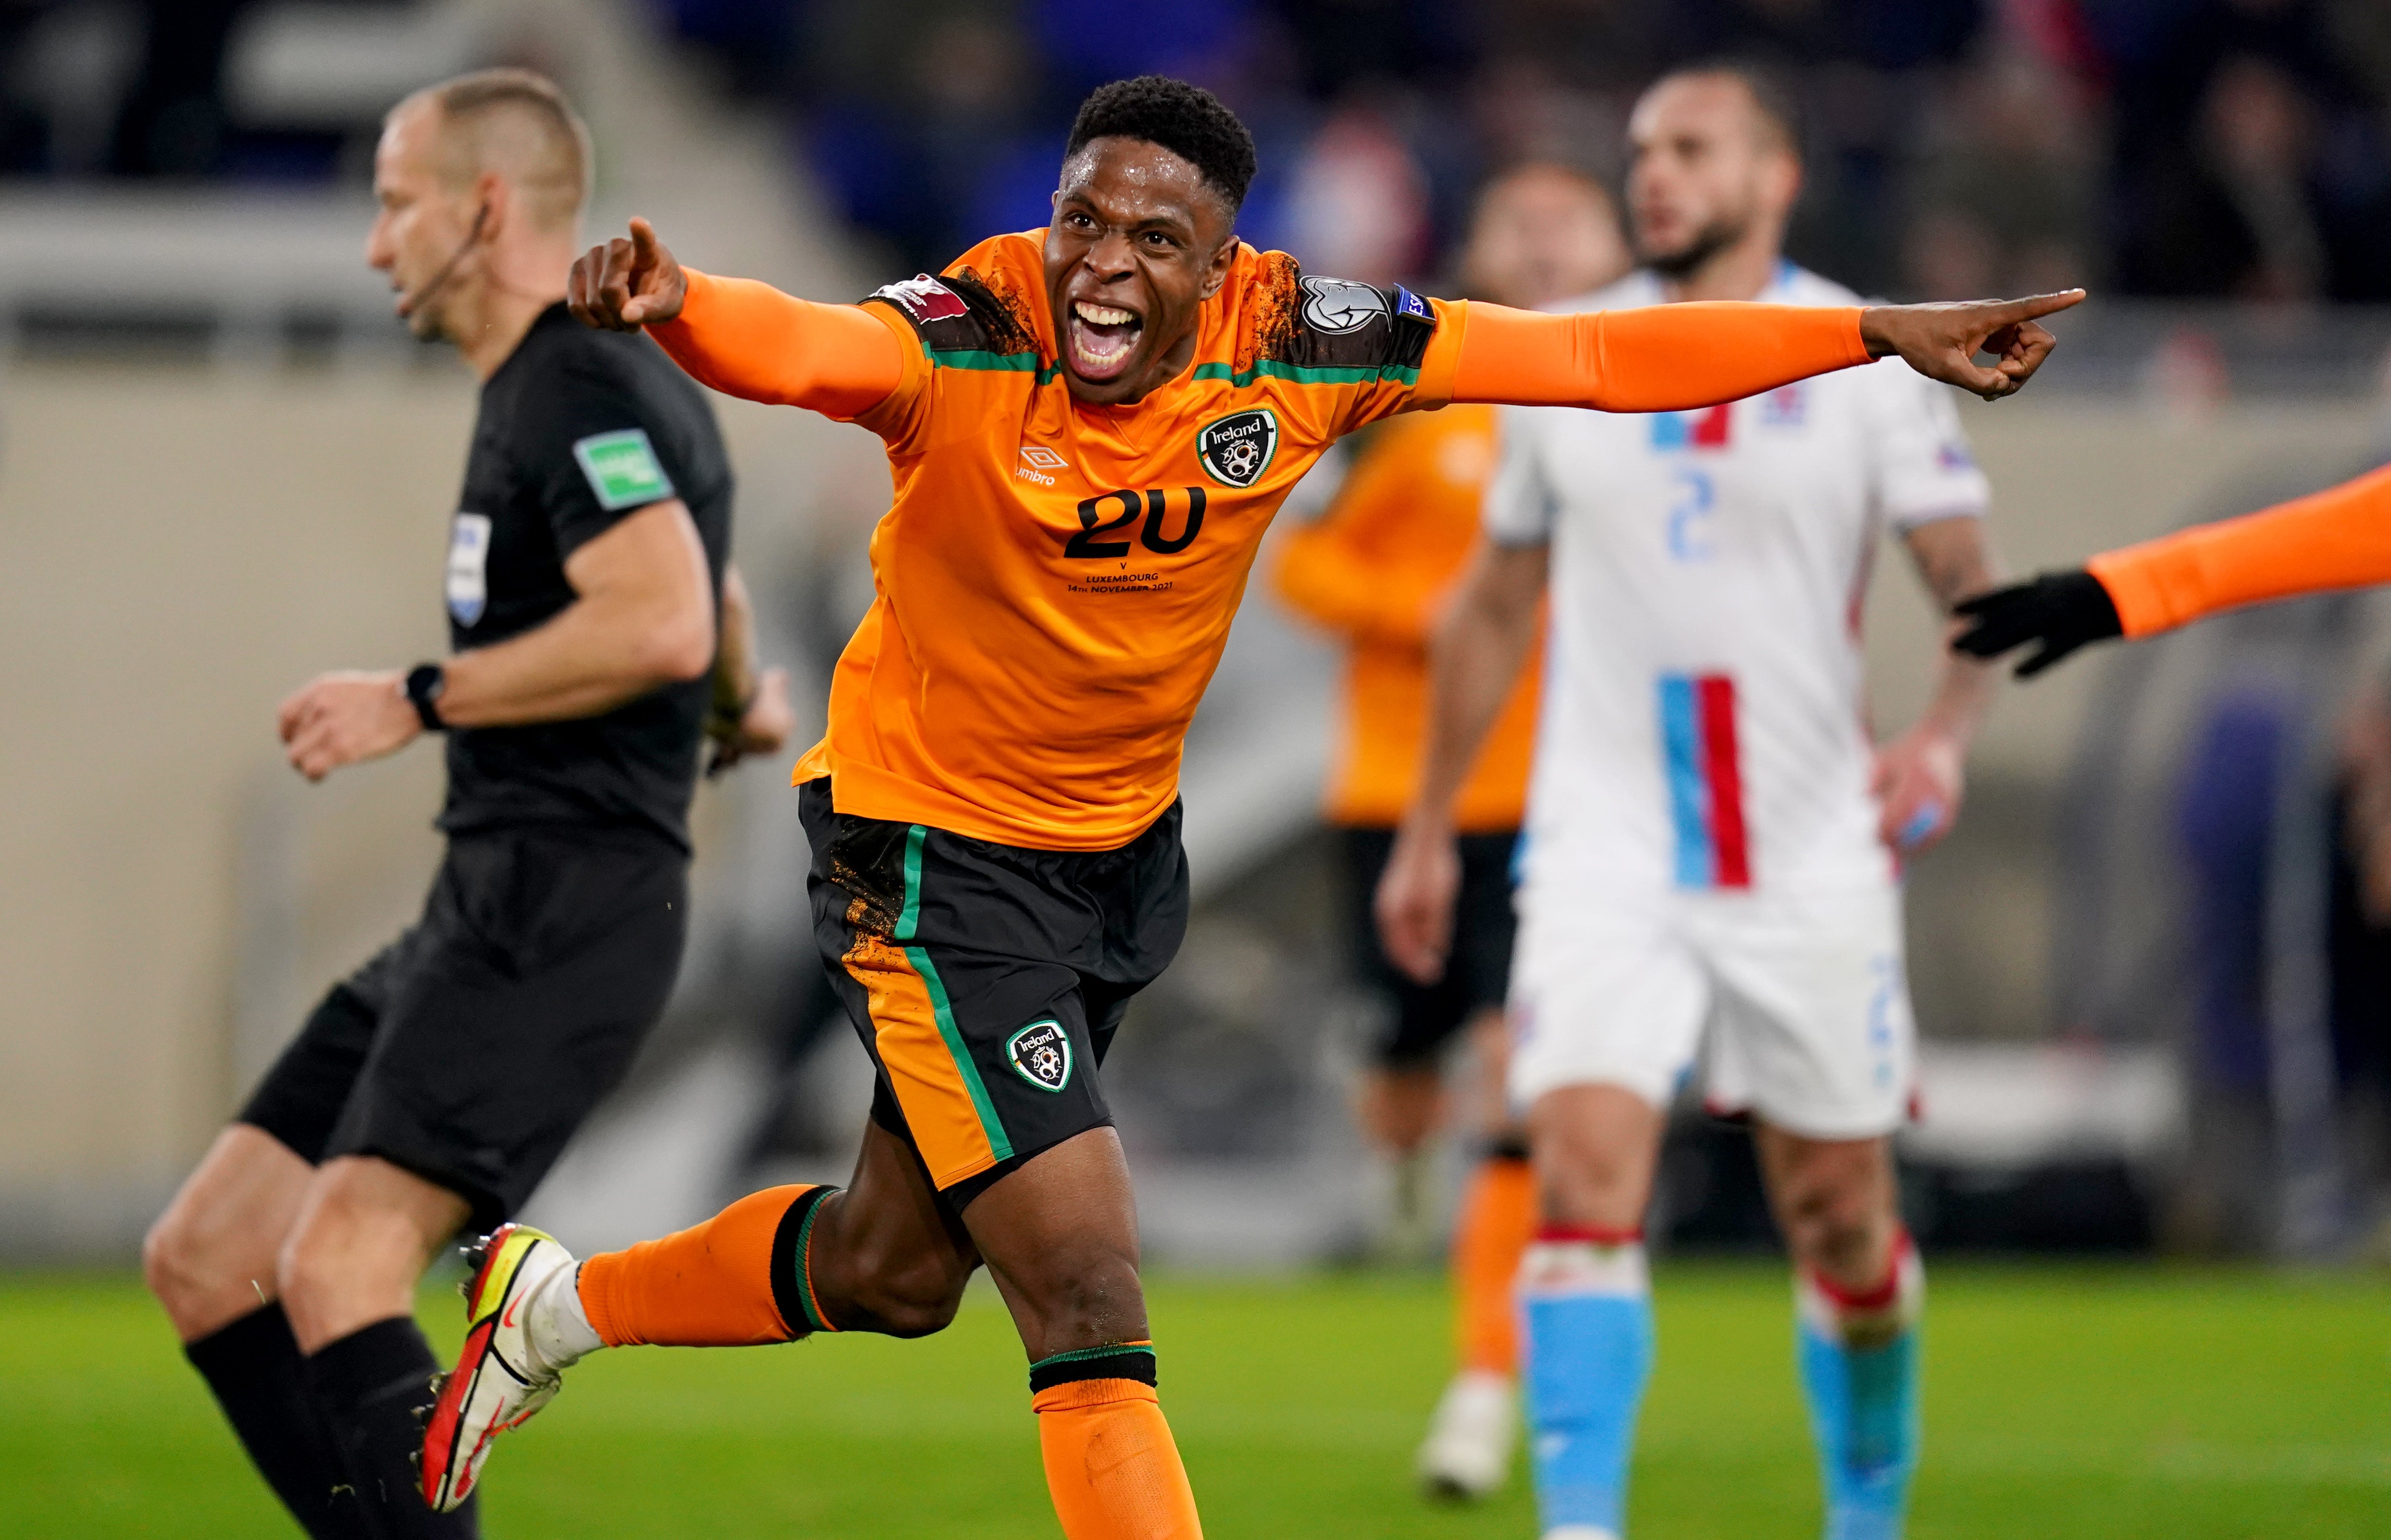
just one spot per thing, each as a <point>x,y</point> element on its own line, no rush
<point>1378,569</point>
<point>1090,428</point>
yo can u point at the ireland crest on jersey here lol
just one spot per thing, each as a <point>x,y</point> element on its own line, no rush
<point>1041,1054</point>
<point>1237,448</point>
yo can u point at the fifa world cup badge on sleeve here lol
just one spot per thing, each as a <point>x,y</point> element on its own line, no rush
<point>1236,450</point>
<point>622,469</point>
<point>468,561</point>
<point>1041,1054</point>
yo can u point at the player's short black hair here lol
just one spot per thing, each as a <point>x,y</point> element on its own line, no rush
<point>1779,108</point>
<point>1185,119</point>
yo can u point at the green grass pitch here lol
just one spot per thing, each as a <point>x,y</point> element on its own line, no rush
<point>2186,1405</point>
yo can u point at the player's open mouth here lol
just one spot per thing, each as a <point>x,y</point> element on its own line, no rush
<point>1100,339</point>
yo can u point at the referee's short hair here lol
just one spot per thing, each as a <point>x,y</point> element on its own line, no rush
<point>516,122</point>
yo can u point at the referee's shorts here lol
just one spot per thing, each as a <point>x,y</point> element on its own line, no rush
<point>470,1050</point>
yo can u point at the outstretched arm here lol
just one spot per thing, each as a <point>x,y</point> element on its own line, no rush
<point>742,338</point>
<point>1475,661</point>
<point>2337,538</point>
<point>1674,358</point>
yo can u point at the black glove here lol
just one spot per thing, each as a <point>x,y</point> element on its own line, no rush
<point>2061,610</point>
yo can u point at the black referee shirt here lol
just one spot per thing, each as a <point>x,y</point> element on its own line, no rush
<point>577,429</point>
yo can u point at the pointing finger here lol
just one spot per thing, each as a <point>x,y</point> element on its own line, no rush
<point>1995,313</point>
<point>615,288</point>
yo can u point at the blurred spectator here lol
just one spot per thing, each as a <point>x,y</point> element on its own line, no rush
<point>2232,211</point>
<point>2250,158</point>
<point>2225,149</point>
<point>753,41</point>
<point>2225,803</point>
<point>1358,203</point>
<point>172,122</point>
<point>931,131</point>
<point>2004,206</point>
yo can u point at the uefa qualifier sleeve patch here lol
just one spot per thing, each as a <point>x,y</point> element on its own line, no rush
<point>623,469</point>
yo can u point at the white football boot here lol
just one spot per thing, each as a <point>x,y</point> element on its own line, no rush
<point>500,1382</point>
<point>1467,1454</point>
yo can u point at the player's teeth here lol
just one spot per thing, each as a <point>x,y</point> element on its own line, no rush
<point>1101,315</point>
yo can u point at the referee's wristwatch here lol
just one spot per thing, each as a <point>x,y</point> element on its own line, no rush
<point>425,682</point>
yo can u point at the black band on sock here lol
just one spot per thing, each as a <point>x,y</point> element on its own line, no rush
<point>371,1385</point>
<point>1113,1361</point>
<point>259,1379</point>
<point>793,1293</point>
<point>1506,1146</point>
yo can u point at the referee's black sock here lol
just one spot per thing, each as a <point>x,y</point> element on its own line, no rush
<point>254,1368</point>
<point>370,1384</point>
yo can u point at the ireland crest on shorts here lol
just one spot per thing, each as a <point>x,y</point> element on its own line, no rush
<point>1237,448</point>
<point>1041,1054</point>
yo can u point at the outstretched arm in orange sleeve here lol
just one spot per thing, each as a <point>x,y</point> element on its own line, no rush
<point>1674,358</point>
<point>742,338</point>
<point>2337,538</point>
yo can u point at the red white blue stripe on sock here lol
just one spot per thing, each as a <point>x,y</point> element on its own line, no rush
<point>1705,776</point>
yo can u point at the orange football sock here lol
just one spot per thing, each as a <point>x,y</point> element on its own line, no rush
<point>1498,1219</point>
<point>738,1279</point>
<point>1112,1466</point>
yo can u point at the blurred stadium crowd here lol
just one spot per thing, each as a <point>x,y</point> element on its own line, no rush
<point>2164,148</point>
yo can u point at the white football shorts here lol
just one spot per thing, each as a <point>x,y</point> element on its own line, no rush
<point>1797,1006</point>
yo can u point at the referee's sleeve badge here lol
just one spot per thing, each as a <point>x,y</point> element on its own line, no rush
<point>623,469</point>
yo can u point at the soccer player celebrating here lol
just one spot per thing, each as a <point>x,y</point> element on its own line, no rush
<point>436,1084</point>
<point>2337,538</point>
<point>1711,840</point>
<point>1378,568</point>
<point>1089,429</point>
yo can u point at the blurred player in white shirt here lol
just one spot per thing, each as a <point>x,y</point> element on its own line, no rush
<point>1710,863</point>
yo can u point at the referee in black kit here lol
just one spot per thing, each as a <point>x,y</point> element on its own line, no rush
<point>435,1085</point>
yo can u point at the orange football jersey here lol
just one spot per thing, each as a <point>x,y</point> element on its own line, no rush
<point>1378,568</point>
<point>1055,581</point>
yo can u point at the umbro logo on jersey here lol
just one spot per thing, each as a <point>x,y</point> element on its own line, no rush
<point>1237,448</point>
<point>1039,464</point>
<point>925,298</point>
<point>1041,1054</point>
<point>1338,306</point>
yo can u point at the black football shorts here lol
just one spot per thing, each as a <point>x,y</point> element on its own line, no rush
<point>470,1050</point>
<point>1423,1017</point>
<point>986,980</point>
